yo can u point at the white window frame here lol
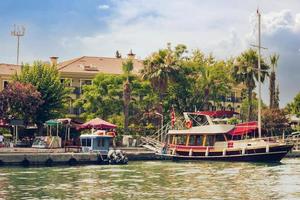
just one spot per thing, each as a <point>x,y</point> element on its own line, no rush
<point>3,81</point>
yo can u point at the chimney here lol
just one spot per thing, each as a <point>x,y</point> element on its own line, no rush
<point>118,55</point>
<point>53,60</point>
<point>131,55</point>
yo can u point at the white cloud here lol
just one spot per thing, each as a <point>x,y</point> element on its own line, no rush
<point>103,7</point>
<point>224,30</point>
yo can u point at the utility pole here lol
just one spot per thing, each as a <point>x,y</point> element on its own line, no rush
<point>18,32</point>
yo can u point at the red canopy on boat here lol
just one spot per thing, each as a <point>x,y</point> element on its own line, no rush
<point>244,128</point>
<point>97,123</point>
<point>217,113</point>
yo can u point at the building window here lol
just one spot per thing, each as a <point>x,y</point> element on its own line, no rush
<point>5,84</point>
<point>66,81</point>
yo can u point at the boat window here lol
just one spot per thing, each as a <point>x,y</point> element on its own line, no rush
<point>192,140</point>
<point>199,140</point>
<point>181,140</point>
<point>83,142</point>
<point>201,119</point>
<point>220,138</point>
<point>210,140</point>
<point>88,142</point>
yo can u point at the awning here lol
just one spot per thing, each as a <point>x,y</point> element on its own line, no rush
<point>244,128</point>
<point>53,122</point>
<point>217,113</point>
<point>97,123</point>
<point>72,122</point>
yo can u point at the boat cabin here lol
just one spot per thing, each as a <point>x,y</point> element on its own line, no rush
<point>96,143</point>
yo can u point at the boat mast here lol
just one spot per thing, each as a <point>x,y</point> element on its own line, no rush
<point>259,78</point>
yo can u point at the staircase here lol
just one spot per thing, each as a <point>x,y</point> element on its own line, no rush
<point>156,141</point>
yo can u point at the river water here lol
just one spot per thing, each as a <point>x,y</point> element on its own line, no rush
<point>155,180</point>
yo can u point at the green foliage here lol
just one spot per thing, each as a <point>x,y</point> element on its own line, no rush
<point>245,70</point>
<point>161,67</point>
<point>104,99</point>
<point>46,79</point>
<point>294,106</point>
<point>127,67</point>
<point>274,101</point>
<point>233,120</point>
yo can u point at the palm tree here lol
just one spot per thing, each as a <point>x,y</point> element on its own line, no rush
<point>213,81</point>
<point>160,68</point>
<point>273,60</point>
<point>245,70</point>
<point>127,67</point>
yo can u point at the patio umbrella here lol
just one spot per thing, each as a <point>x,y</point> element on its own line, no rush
<point>96,123</point>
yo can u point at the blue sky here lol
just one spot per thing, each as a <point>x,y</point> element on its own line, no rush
<point>72,28</point>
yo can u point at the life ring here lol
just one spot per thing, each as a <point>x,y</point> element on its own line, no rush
<point>230,144</point>
<point>188,124</point>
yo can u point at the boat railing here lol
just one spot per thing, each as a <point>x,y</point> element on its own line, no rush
<point>294,140</point>
<point>207,150</point>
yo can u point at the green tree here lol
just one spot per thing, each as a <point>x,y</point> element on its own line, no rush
<point>245,70</point>
<point>103,98</point>
<point>214,81</point>
<point>161,68</point>
<point>274,61</point>
<point>46,79</point>
<point>294,106</point>
<point>127,67</point>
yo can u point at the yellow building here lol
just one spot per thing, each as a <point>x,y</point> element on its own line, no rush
<point>6,72</point>
<point>81,71</point>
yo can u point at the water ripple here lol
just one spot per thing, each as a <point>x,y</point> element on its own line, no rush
<point>155,180</point>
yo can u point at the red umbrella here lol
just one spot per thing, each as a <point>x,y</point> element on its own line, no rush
<point>97,123</point>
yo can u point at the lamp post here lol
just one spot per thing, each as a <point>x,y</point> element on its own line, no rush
<point>162,125</point>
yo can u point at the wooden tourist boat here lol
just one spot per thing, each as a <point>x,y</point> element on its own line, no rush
<point>221,142</point>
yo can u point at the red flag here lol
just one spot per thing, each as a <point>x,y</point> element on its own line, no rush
<point>173,118</point>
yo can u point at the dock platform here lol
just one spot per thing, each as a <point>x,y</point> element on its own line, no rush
<point>51,157</point>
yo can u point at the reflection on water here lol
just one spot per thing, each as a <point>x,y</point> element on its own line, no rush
<point>155,180</point>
